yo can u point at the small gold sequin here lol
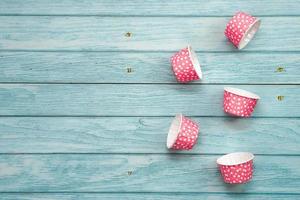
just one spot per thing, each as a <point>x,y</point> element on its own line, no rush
<point>280,98</point>
<point>129,70</point>
<point>128,34</point>
<point>280,69</point>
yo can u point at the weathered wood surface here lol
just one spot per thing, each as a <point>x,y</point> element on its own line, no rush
<point>165,34</point>
<point>107,140</point>
<point>139,100</point>
<point>145,196</point>
<point>145,135</point>
<point>140,173</point>
<point>157,7</point>
<point>114,67</point>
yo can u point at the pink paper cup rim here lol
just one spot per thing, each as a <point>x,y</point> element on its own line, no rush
<point>174,130</point>
<point>249,34</point>
<point>235,158</point>
<point>195,61</point>
<point>242,93</point>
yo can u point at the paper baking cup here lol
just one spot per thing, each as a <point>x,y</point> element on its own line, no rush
<point>236,168</point>
<point>239,102</point>
<point>186,66</point>
<point>241,29</point>
<point>183,133</point>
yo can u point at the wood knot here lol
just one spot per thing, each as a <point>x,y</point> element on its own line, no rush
<point>128,34</point>
<point>280,69</point>
<point>280,98</point>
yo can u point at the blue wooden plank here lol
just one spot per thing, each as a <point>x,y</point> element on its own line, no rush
<point>136,173</point>
<point>104,67</point>
<point>139,100</point>
<point>145,196</point>
<point>109,33</point>
<point>145,135</point>
<point>140,173</point>
<point>157,7</point>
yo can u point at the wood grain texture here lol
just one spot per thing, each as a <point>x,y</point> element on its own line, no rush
<point>157,7</point>
<point>112,67</point>
<point>139,100</point>
<point>165,34</point>
<point>146,196</point>
<point>99,142</point>
<point>145,135</point>
<point>140,173</point>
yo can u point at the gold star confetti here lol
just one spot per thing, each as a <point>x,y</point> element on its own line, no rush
<point>129,173</point>
<point>280,69</point>
<point>129,70</point>
<point>280,98</point>
<point>128,34</point>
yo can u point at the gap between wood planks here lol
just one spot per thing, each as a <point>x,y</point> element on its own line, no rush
<point>141,154</point>
<point>127,15</point>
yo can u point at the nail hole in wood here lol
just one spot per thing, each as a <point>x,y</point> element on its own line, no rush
<point>280,98</point>
<point>128,34</point>
<point>280,69</point>
<point>129,173</point>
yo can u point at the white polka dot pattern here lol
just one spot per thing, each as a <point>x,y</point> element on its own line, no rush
<point>237,27</point>
<point>238,105</point>
<point>237,174</point>
<point>187,136</point>
<point>182,66</point>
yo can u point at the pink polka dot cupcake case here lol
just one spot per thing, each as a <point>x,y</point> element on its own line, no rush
<point>241,29</point>
<point>239,102</point>
<point>186,66</point>
<point>236,168</point>
<point>183,133</point>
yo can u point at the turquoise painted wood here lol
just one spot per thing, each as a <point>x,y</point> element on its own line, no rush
<point>146,196</point>
<point>140,173</point>
<point>145,135</point>
<point>109,33</point>
<point>139,100</point>
<point>85,109</point>
<point>156,7</point>
<point>112,67</point>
